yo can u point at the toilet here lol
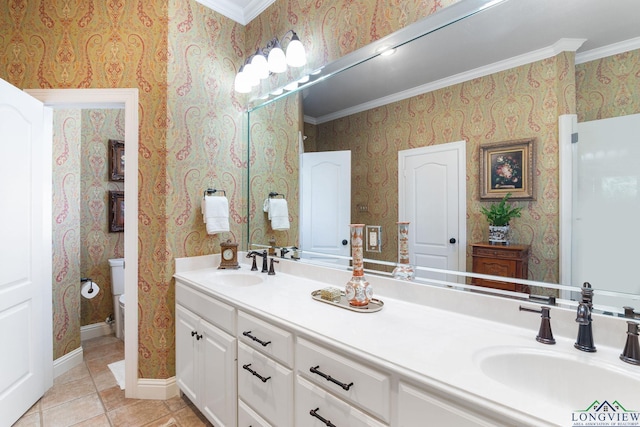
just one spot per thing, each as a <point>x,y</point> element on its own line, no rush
<point>117,290</point>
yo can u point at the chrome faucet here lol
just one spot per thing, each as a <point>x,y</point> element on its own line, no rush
<point>584,342</point>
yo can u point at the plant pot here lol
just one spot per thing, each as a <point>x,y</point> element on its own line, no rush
<point>499,234</point>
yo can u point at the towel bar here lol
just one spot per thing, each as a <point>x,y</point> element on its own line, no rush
<point>212,191</point>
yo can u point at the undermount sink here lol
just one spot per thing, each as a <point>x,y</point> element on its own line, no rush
<point>567,379</point>
<point>235,278</point>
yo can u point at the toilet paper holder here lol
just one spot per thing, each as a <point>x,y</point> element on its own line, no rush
<point>87,279</point>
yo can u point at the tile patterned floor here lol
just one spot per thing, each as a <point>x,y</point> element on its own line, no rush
<point>88,395</point>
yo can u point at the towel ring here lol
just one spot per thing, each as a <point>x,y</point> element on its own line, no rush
<point>274,194</point>
<point>212,191</point>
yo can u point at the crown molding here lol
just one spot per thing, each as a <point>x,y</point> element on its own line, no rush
<point>561,45</point>
<point>242,12</point>
<point>612,49</point>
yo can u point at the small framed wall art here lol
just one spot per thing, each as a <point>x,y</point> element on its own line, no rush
<point>116,160</point>
<point>116,211</point>
<point>507,167</point>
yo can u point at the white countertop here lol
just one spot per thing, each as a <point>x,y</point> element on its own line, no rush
<point>439,348</point>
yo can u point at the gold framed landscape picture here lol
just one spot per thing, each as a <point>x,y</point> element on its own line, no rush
<point>507,167</point>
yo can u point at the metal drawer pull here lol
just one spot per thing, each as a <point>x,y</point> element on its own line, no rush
<point>263,379</point>
<point>328,378</point>
<point>197,335</point>
<point>248,334</point>
<point>326,422</point>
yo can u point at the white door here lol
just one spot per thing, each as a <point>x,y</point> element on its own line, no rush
<point>26,359</point>
<point>432,197</point>
<point>606,191</point>
<point>325,198</point>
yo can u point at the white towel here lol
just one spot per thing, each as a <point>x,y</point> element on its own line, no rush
<point>215,213</point>
<point>278,213</point>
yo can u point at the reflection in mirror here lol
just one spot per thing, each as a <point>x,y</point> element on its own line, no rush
<point>501,75</point>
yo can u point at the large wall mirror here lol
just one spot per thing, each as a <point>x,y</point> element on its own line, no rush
<point>476,73</point>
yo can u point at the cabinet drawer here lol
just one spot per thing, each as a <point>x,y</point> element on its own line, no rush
<point>216,312</point>
<point>311,399</point>
<point>248,418</point>
<point>497,253</point>
<point>266,338</point>
<point>417,408</point>
<point>369,389</point>
<point>266,386</point>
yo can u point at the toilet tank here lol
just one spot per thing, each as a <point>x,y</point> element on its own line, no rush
<point>117,276</point>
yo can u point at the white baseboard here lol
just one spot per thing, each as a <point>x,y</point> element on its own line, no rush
<point>67,362</point>
<point>157,389</point>
<point>95,330</point>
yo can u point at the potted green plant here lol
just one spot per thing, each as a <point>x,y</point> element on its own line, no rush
<point>499,215</point>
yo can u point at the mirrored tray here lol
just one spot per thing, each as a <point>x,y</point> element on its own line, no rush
<point>373,306</point>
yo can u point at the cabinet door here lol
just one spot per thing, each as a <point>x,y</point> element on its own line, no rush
<point>418,408</point>
<point>186,345</point>
<point>218,361</point>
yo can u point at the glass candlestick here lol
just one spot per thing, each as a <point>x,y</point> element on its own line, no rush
<point>358,291</point>
<point>404,270</point>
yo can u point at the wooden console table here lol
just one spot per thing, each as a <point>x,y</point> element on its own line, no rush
<point>500,260</point>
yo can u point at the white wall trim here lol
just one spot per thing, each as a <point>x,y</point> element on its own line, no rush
<point>562,45</point>
<point>612,49</point>
<point>95,330</point>
<point>157,389</point>
<point>127,98</point>
<point>67,362</point>
<point>242,14</point>
<point>567,125</point>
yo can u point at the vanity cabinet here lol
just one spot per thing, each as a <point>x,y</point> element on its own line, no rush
<point>501,260</point>
<point>315,407</point>
<point>418,408</point>
<point>265,377</point>
<point>205,355</point>
<point>352,381</point>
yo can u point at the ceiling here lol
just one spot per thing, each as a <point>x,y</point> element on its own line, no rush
<point>512,33</point>
<point>241,11</point>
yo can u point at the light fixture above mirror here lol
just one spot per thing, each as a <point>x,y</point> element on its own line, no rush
<point>270,59</point>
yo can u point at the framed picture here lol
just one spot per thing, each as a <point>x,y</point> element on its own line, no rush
<point>507,167</point>
<point>116,160</point>
<point>116,211</point>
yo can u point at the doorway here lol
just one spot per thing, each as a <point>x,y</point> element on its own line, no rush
<point>325,199</point>
<point>127,99</point>
<point>432,197</point>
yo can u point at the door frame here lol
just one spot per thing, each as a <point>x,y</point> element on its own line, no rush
<point>461,148</point>
<point>127,99</point>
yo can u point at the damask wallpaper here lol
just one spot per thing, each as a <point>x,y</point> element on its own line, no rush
<point>82,244</point>
<point>182,57</point>
<point>66,184</point>
<point>609,87</point>
<point>98,243</point>
<point>519,103</point>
